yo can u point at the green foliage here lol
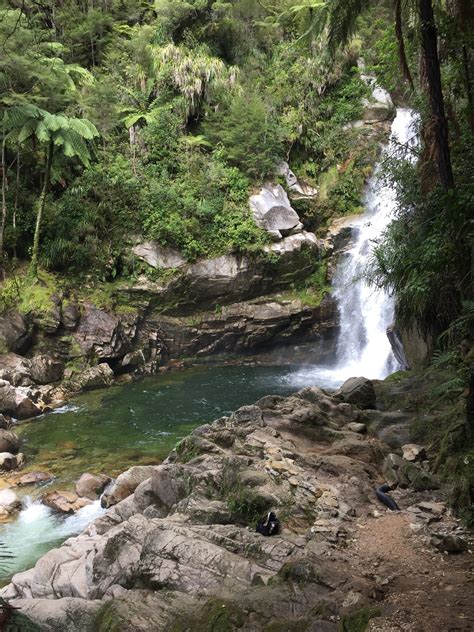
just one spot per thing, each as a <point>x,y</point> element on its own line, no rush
<point>359,621</point>
<point>249,135</point>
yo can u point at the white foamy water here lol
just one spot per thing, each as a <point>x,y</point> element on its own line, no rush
<point>36,530</point>
<point>363,348</point>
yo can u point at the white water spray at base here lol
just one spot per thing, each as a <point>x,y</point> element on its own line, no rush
<point>363,348</point>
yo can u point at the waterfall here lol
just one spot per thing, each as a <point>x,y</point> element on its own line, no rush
<point>363,348</point>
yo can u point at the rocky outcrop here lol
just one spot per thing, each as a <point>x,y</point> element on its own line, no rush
<point>379,107</point>
<point>183,531</point>
<point>297,189</point>
<point>159,257</point>
<point>125,484</point>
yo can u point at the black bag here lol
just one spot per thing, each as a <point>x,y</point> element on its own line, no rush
<point>270,525</point>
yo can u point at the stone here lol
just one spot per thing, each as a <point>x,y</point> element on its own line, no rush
<point>7,461</point>
<point>407,474</point>
<point>15,369</point>
<point>379,107</point>
<point>5,422</point>
<point>101,335</point>
<point>355,426</point>
<point>15,334</point>
<point>70,316</point>
<point>98,376</point>
<point>359,391</point>
<point>433,507</point>
<point>247,414</point>
<point>46,369</point>
<point>304,190</point>
<point>159,257</point>
<point>413,452</point>
<point>9,441</point>
<point>449,543</point>
<point>271,209</point>
<point>9,500</point>
<point>64,501</point>
<point>125,484</point>
<point>33,478</point>
<point>133,360</point>
<point>15,401</point>
<point>92,485</point>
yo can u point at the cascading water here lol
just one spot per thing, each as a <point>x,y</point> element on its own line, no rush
<point>363,348</point>
<point>36,530</point>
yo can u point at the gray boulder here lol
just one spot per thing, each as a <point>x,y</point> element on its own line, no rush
<point>126,484</point>
<point>46,369</point>
<point>15,369</point>
<point>16,402</point>
<point>101,334</point>
<point>272,211</point>
<point>8,462</point>
<point>406,474</point>
<point>292,182</point>
<point>96,377</point>
<point>359,391</point>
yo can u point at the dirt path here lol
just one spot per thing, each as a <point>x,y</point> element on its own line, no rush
<point>421,590</point>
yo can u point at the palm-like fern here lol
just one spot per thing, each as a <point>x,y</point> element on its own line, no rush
<point>68,135</point>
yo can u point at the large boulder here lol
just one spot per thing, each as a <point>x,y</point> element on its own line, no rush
<point>126,484</point>
<point>9,501</point>
<point>15,333</point>
<point>16,402</point>
<point>359,391</point>
<point>95,377</point>
<point>101,334</point>
<point>9,441</point>
<point>8,461</point>
<point>272,211</point>
<point>407,474</point>
<point>157,256</point>
<point>46,369</point>
<point>92,485</point>
<point>379,106</point>
<point>15,369</point>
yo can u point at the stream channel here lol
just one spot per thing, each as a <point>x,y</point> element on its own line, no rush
<point>111,430</point>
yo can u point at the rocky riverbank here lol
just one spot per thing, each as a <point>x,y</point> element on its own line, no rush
<point>178,550</point>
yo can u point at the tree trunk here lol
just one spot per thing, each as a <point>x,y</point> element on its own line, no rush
<point>4,201</point>
<point>15,205</point>
<point>33,271</point>
<point>435,94</point>
<point>401,44</point>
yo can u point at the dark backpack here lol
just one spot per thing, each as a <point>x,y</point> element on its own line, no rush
<point>269,525</point>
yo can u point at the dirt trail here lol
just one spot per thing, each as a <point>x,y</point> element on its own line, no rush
<point>421,590</point>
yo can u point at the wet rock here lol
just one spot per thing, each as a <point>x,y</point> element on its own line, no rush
<point>8,461</point>
<point>126,484</point>
<point>449,543</point>
<point>9,501</point>
<point>413,452</point>
<point>33,478</point>
<point>64,501</point>
<point>92,485</point>
<point>359,391</point>
<point>46,369</point>
<point>9,441</point>
<point>96,377</point>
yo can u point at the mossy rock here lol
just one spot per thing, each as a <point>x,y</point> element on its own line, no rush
<point>301,625</point>
<point>358,621</point>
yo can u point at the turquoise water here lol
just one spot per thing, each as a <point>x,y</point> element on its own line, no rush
<point>110,430</point>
